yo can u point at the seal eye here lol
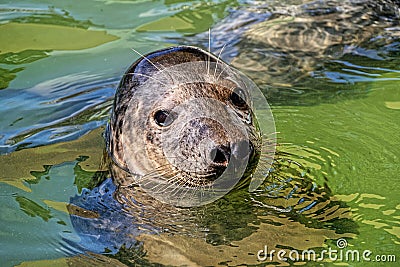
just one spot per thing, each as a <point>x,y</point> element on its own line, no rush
<point>238,98</point>
<point>163,118</point>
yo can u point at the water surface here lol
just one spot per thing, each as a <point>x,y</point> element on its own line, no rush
<point>330,71</point>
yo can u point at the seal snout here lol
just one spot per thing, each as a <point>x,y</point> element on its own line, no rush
<point>238,152</point>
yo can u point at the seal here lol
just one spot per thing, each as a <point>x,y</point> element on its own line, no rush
<point>183,127</point>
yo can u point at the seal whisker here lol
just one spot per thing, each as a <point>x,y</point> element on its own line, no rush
<point>216,65</point>
<point>178,184</point>
<point>158,173</point>
<point>152,63</point>
<point>225,67</point>
<point>148,180</point>
<point>147,76</point>
<point>193,189</point>
<point>183,195</point>
<point>158,188</point>
<point>162,188</point>
<point>159,170</point>
<point>209,51</point>
<point>272,133</point>
<point>147,59</point>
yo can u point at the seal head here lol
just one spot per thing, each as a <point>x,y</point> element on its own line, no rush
<point>183,122</point>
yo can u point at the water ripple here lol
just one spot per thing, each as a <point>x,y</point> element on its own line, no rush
<point>57,110</point>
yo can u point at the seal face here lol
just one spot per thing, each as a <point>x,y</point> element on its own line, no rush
<point>183,126</point>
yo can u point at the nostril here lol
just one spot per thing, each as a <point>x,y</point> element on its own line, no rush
<point>221,155</point>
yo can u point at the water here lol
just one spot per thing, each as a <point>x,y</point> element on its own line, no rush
<point>329,70</point>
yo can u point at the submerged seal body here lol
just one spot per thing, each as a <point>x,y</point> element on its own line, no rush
<point>183,127</point>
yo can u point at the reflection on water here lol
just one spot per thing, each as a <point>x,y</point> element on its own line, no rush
<point>295,53</point>
<point>61,109</point>
<point>329,69</point>
<point>289,212</point>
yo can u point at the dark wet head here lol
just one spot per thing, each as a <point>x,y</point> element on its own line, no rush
<point>182,116</point>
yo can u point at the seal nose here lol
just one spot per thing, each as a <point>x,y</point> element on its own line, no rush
<point>243,150</point>
<point>220,155</point>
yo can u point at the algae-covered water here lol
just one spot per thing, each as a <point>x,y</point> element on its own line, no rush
<point>329,69</point>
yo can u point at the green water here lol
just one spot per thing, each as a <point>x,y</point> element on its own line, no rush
<point>338,132</point>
